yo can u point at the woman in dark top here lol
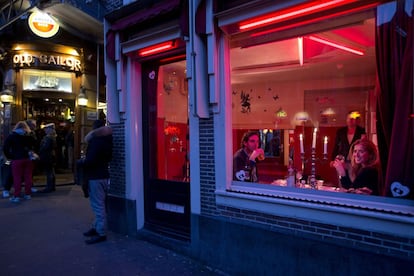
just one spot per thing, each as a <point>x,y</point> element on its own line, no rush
<point>16,148</point>
<point>362,177</point>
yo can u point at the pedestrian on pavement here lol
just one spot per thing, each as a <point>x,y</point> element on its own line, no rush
<point>47,153</point>
<point>96,167</point>
<point>17,148</point>
<point>6,176</point>
<point>33,125</point>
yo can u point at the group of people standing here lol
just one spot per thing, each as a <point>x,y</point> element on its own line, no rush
<point>354,157</point>
<point>23,151</point>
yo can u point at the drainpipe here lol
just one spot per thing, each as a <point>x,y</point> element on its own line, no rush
<point>112,99</point>
<point>198,68</point>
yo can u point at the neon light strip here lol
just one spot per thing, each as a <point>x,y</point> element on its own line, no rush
<point>293,12</point>
<point>333,44</point>
<point>300,50</point>
<point>155,49</point>
<point>318,19</point>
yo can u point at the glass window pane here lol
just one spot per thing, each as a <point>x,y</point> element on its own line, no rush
<point>171,134</point>
<point>297,93</point>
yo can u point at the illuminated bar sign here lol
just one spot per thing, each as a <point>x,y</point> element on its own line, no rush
<point>43,25</point>
<point>63,62</point>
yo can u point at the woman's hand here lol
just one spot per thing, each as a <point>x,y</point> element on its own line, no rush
<point>339,165</point>
<point>360,191</point>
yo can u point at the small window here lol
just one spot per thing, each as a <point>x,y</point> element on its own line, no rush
<point>47,80</point>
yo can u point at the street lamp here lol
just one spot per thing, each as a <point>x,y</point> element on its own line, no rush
<point>82,99</point>
<point>6,97</point>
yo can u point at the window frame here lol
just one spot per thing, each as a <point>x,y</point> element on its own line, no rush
<point>389,215</point>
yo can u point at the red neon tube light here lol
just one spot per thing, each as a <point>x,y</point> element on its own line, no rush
<point>154,49</point>
<point>336,45</point>
<point>300,50</point>
<point>300,10</point>
<point>312,20</point>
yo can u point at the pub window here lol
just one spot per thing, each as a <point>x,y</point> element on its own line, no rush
<point>296,90</point>
<point>47,80</point>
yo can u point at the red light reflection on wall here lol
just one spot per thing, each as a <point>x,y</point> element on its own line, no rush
<point>336,45</point>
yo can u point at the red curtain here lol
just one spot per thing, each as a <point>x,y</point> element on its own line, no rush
<point>394,45</point>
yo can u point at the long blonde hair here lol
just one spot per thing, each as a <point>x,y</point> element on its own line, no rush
<point>373,157</point>
<point>22,125</point>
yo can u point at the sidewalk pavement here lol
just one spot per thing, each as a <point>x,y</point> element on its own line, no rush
<point>43,236</point>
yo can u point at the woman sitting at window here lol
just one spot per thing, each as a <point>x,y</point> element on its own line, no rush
<point>362,178</point>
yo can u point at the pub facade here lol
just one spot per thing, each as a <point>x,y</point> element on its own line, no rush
<point>50,71</point>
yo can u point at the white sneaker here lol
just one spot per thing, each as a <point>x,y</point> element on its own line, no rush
<point>15,199</point>
<point>28,197</point>
<point>34,190</point>
<point>6,194</point>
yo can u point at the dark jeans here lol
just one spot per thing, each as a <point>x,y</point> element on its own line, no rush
<point>50,175</point>
<point>6,176</point>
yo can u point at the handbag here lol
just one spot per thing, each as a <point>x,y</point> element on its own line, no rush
<point>81,178</point>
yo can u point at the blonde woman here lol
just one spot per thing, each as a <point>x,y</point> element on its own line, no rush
<point>16,148</point>
<point>363,177</point>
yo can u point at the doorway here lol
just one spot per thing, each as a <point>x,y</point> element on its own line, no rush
<point>166,160</point>
<point>46,107</point>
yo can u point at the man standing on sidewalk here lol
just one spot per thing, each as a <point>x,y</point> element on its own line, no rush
<point>96,167</point>
<point>47,153</point>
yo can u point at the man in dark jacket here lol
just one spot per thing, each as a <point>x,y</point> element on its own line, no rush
<point>96,167</point>
<point>346,136</point>
<point>47,153</point>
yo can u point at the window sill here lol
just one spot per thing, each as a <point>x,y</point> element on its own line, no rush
<point>378,214</point>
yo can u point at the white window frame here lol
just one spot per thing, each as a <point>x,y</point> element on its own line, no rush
<point>371,213</point>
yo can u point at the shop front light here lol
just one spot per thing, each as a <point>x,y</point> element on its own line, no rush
<point>82,99</point>
<point>158,48</point>
<point>6,96</point>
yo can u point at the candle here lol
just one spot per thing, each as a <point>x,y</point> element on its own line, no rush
<point>301,143</point>
<point>325,145</point>
<point>314,138</point>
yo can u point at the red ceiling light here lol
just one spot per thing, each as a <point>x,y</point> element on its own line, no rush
<point>293,12</point>
<point>336,45</point>
<point>158,48</point>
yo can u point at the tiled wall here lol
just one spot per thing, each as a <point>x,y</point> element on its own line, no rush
<point>117,170</point>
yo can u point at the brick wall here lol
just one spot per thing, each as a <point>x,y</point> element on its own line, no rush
<point>117,170</point>
<point>207,171</point>
<point>344,236</point>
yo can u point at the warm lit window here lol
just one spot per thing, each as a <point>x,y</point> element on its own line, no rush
<point>47,80</point>
<point>170,125</point>
<point>297,93</point>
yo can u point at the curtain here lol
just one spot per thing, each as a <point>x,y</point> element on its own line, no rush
<point>394,46</point>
